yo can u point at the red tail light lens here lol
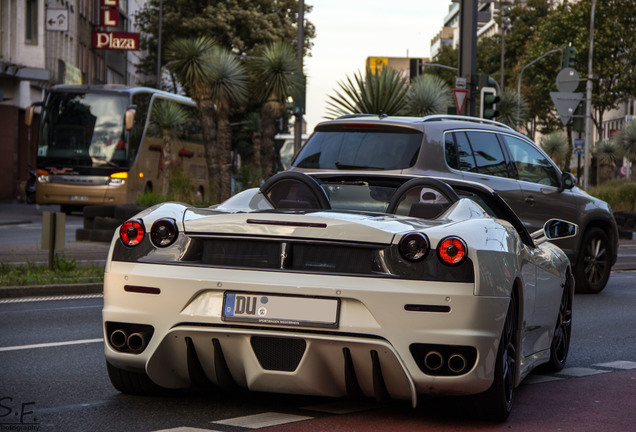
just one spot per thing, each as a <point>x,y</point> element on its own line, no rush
<point>452,250</point>
<point>132,232</point>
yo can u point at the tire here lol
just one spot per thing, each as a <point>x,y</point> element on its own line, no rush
<point>593,266</point>
<point>495,404</point>
<point>134,383</point>
<point>560,345</point>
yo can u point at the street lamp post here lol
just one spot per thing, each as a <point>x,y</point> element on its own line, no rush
<point>588,104</point>
<point>519,81</point>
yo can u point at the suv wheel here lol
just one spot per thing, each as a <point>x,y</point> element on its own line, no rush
<point>593,267</point>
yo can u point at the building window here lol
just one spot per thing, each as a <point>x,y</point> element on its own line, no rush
<point>31,22</point>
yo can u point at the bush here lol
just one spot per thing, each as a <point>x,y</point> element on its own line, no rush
<point>182,189</point>
<point>619,194</point>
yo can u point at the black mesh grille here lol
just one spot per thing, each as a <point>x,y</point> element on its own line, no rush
<point>312,256</point>
<point>241,253</point>
<point>279,354</point>
<point>330,259</point>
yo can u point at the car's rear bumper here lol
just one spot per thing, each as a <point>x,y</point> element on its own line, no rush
<point>371,348</point>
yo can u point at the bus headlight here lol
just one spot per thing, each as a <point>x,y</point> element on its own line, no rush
<point>116,182</point>
<point>43,178</point>
<point>118,179</point>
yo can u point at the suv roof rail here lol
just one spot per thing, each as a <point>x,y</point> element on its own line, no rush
<point>348,116</point>
<point>438,117</point>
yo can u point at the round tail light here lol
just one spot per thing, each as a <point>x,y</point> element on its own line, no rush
<point>163,232</point>
<point>132,232</point>
<point>414,246</point>
<point>452,250</point>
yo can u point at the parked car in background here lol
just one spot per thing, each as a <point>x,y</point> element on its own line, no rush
<point>477,150</point>
<point>339,285</point>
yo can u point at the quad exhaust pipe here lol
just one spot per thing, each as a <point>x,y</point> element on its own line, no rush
<point>126,340</point>
<point>118,339</point>
<point>457,363</point>
<point>137,342</point>
<point>435,361</point>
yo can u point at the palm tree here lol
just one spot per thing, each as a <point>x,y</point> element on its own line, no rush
<point>190,61</point>
<point>229,85</point>
<point>277,72</point>
<point>382,92</point>
<point>555,144</point>
<point>513,110</point>
<point>428,94</point>
<point>165,119</point>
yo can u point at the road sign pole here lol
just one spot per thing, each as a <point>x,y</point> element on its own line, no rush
<point>588,104</point>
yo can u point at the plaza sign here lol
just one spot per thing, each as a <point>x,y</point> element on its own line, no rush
<point>116,41</point>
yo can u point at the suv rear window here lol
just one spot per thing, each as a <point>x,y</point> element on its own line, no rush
<point>375,150</point>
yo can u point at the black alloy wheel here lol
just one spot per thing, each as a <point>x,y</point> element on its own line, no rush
<point>562,333</point>
<point>496,403</point>
<point>593,267</point>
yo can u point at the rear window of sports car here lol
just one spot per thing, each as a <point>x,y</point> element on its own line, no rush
<point>375,150</point>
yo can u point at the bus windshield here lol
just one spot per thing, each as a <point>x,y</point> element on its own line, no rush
<point>84,130</point>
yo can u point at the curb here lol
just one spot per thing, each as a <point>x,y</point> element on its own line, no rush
<point>51,290</point>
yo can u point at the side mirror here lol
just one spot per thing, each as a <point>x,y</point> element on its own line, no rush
<point>129,118</point>
<point>568,181</point>
<point>555,229</point>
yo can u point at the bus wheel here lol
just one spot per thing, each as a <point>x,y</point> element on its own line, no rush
<point>148,187</point>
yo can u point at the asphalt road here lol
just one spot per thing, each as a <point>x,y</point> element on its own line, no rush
<point>53,377</point>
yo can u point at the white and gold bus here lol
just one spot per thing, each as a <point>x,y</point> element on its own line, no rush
<point>96,145</point>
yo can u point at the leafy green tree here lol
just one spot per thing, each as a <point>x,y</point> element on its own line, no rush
<point>446,56</point>
<point>428,94</point>
<point>614,61</point>
<point>166,118</point>
<point>190,60</point>
<point>244,26</point>
<point>375,93</point>
<point>229,85</point>
<point>277,72</point>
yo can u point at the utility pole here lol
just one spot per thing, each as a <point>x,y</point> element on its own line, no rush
<point>588,104</point>
<point>298,125</point>
<point>159,45</point>
<point>468,49</point>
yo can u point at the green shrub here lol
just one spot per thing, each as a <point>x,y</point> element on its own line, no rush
<point>182,189</point>
<point>619,194</point>
<point>149,198</point>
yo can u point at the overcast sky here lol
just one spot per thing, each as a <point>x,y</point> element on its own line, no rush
<point>349,31</point>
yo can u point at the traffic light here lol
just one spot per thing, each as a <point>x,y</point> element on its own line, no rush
<point>488,106</point>
<point>569,56</point>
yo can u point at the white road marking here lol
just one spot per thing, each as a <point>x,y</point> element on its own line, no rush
<point>620,364</point>
<point>50,344</point>
<point>266,419</point>
<point>50,298</point>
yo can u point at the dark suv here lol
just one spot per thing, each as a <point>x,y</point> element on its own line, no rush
<point>478,150</point>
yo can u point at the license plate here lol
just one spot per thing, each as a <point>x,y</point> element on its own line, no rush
<point>281,310</point>
<point>78,198</point>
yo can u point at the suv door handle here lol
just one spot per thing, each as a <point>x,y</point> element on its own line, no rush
<point>530,201</point>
